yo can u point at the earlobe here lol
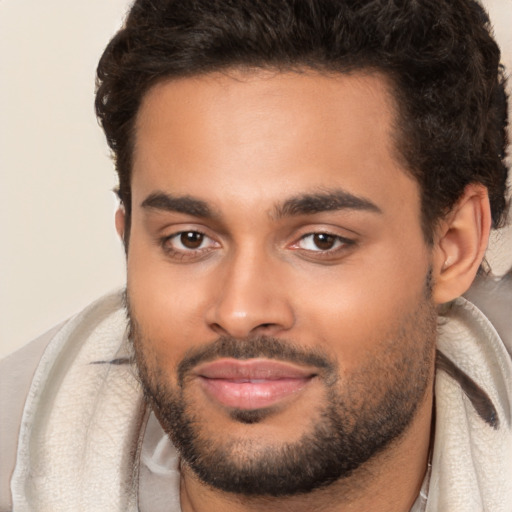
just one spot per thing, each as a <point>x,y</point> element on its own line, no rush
<point>120,220</point>
<point>461,241</point>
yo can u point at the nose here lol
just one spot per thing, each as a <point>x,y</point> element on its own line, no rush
<point>251,299</point>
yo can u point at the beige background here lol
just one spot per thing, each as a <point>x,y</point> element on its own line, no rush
<point>58,248</point>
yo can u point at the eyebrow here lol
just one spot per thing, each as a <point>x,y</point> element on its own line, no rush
<point>309,204</point>
<point>303,204</point>
<point>183,204</point>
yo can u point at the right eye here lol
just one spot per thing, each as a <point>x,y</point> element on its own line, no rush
<point>187,244</point>
<point>189,240</point>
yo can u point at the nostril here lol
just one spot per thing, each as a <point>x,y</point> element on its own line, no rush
<point>249,315</point>
<point>218,329</point>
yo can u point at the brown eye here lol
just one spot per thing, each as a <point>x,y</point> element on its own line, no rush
<point>191,239</point>
<point>188,246</point>
<point>324,241</point>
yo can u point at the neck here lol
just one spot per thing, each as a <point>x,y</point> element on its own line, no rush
<point>389,482</point>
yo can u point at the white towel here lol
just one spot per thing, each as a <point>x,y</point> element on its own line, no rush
<point>82,424</point>
<point>472,462</point>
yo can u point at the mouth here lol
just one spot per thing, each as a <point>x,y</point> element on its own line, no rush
<point>252,384</point>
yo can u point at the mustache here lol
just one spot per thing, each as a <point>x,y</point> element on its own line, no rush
<point>266,347</point>
<point>262,346</point>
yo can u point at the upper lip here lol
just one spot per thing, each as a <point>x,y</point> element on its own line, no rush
<point>252,369</point>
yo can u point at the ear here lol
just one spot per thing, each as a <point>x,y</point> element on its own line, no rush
<point>460,244</point>
<point>120,222</point>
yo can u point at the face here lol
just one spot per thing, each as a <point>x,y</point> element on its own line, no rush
<point>277,276</point>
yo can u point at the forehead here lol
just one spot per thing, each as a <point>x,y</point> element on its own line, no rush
<point>257,134</point>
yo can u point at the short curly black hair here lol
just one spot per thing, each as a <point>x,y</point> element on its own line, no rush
<point>440,56</point>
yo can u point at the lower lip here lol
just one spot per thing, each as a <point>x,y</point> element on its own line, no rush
<point>252,395</point>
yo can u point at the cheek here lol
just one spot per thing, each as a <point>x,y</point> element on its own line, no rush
<point>166,305</point>
<point>356,305</point>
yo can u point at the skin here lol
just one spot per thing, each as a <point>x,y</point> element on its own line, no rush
<point>244,144</point>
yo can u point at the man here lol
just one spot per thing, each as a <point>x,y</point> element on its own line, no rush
<point>307,189</point>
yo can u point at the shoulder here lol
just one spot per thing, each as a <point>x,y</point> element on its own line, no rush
<point>17,373</point>
<point>493,296</point>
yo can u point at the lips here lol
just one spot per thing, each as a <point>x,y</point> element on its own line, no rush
<point>251,384</point>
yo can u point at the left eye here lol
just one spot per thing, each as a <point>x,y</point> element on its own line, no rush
<point>321,242</point>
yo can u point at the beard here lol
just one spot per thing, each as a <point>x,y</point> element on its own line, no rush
<point>358,416</point>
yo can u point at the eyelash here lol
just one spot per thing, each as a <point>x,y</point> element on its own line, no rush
<point>343,244</point>
<point>182,254</point>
